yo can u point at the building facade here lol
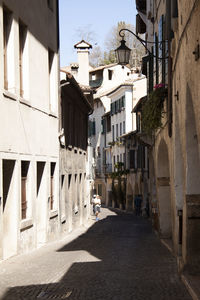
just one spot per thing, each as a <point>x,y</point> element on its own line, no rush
<point>174,175</point>
<point>76,104</point>
<point>29,148</point>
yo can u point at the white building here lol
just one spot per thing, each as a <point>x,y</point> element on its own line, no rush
<point>29,147</point>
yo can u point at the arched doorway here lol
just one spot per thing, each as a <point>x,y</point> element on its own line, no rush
<point>178,186</point>
<point>164,191</point>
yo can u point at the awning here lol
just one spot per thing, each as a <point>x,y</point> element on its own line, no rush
<point>140,25</point>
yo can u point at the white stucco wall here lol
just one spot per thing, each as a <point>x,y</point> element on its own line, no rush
<point>30,127</point>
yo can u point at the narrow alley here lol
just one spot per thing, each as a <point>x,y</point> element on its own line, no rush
<point>118,258</point>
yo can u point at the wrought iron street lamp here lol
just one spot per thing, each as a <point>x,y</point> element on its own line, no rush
<point>123,52</point>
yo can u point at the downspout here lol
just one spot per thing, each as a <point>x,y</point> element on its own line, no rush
<point>168,33</point>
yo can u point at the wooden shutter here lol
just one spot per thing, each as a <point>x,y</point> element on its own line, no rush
<point>23,197</point>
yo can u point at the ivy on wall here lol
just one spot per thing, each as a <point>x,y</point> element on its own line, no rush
<point>153,110</point>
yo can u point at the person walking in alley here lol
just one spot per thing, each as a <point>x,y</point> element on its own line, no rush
<point>97,205</point>
<point>137,204</point>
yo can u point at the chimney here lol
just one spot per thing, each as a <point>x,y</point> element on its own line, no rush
<point>83,61</point>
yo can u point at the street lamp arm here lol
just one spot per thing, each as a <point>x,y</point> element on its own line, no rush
<point>143,42</point>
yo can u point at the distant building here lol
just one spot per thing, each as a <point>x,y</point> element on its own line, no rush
<point>76,104</point>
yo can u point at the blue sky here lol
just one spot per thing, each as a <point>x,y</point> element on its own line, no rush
<point>98,16</point>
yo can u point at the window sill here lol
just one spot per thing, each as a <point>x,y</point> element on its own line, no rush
<point>63,219</point>
<point>53,214</point>
<point>10,95</point>
<point>53,114</point>
<point>24,101</point>
<point>26,224</point>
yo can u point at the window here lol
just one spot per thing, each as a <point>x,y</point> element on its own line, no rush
<point>110,73</point>
<point>117,158</point>
<point>23,60</point>
<point>108,123</point>
<point>124,160</point>
<point>117,105</point>
<point>114,161</point>
<point>132,159</point>
<point>8,49</point>
<point>100,189</point>
<point>120,129</point>
<point>52,80</point>
<point>123,101</point>
<point>113,133</point>
<point>93,127</point>
<point>52,186</point>
<point>124,129</point>
<point>138,118</point>
<point>116,130</point>
<point>24,184</point>
<point>103,126</point>
<point>156,62</point>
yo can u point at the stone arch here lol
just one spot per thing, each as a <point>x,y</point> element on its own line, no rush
<point>191,216</point>
<point>179,182</point>
<point>192,149</point>
<point>164,190</point>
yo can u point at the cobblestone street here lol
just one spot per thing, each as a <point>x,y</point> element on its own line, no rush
<point>117,258</point>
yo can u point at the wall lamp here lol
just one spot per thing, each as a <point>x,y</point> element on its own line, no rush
<point>123,52</point>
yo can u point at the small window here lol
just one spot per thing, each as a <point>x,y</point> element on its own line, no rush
<point>7,46</point>
<point>124,129</point>
<point>52,185</point>
<point>108,123</point>
<point>113,133</point>
<point>110,73</point>
<point>52,80</point>
<point>23,73</point>
<point>100,189</point>
<point>24,176</point>
<point>120,129</point>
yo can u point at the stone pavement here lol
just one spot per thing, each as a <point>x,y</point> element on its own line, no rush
<point>117,258</point>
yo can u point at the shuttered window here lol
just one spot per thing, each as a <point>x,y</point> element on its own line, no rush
<point>22,39</point>
<point>52,187</point>
<point>132,159</point>
<point>24,176</point>
<point>7,19</point>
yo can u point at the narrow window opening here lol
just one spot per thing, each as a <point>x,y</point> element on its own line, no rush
<point>22,41</point>
<point>52,185</point>
<point>24,176</point>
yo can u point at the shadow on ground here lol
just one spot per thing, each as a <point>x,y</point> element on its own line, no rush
<point>125,260</point>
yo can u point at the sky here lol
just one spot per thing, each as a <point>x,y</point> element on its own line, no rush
<point>97,16</point>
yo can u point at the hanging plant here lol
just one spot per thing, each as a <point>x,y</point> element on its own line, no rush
<point>152,110</point>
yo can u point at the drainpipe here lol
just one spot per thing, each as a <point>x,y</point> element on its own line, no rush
<point>168,33</point>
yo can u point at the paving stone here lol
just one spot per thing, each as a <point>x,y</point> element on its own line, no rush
<point>117,258</point>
